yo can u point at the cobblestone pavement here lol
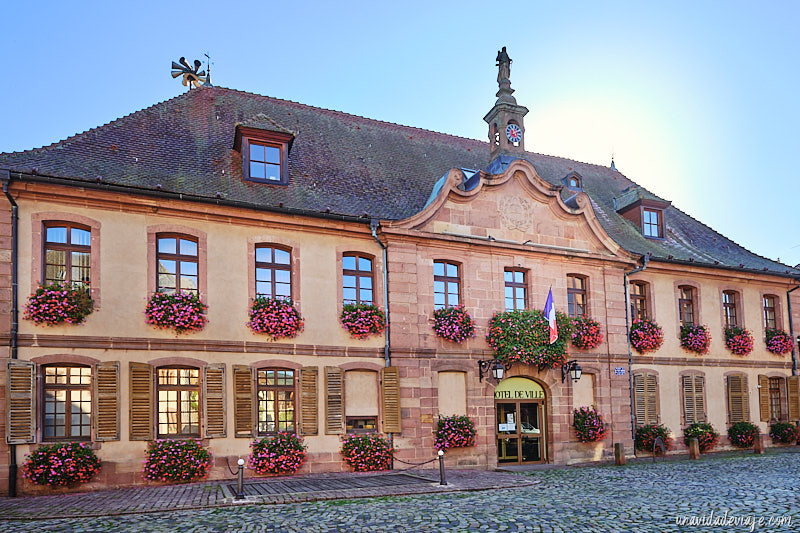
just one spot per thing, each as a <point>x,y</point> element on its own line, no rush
<point>729,493</point>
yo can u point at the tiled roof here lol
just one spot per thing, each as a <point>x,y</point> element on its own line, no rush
<point>338,163</point>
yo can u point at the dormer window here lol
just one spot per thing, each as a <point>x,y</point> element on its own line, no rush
<point>573,181</point>
<point>651,223</point>
<point>265,162</point>
<point>265,154</point>
<point>644,210</point>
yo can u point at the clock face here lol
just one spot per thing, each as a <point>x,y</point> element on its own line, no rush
<point>514,133</point>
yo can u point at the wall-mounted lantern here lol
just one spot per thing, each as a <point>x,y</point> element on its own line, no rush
<point>497,368</point>
<point>571,369</point>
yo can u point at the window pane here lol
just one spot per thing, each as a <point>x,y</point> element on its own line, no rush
<point>263,274</point>
<point>272,155</point>
<point>365,265</point>
<point>452,299</point>
<point>167,246</point>
<point>348,281</point>
<point>264,288</point>
<point>188,268</point>
<point>452,270</point>
<point>257,152</point>
<point>519,277</point>
<point>438,269</point>
<point>349,262</point>
<point>281,276</point>
<point>80,237</point>
<point>264,255</point>
<point>438,300</point>
<point>366,282</point>
<point>188,247</point>
<point>283,290</point>
<point>508,276</point>
<point>188,283</point>
<point>349,295</point>
<point>282,257</point>
<point>366,296</point>
<point>57,234</point>
<point>452,287</point>
<point>272,172</point>
<point>166,266</point>
<point>509,292</point>
<point>258,171</point>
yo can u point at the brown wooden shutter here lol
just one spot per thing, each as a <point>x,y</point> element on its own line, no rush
<point>651,398</point>
<point>105,397</point>
<point>141,408</point>
<point>688,399</point>
<point>309,419</point>
<point>390,382</point>
<point>214,400</point>
<point>793,386</point>
<point>700,398</point>
<point>334,400</point>
<point>639,399</point>
<point>20,402</point>
<point>737,392</point>
<point>763,397</point>
<point>243,401</point>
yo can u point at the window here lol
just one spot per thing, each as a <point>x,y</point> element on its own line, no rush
<point>265,154</point>
<point>729,308</point>
<point>276,411</point>
<point>273,272</point>
<point>446,284</point>
<point>686,305</point>
<point>770,316</point>
<point>576,296</point>
<point>178,402</point>
<point>694,398</point>
<point>516,290</point>
<point>67,402</point>
<point>775,400</point>
<point>651,223</point>
<point>738,399</point>
<point>176,258</point>
<point>265,162</point>
<point>638,300</point>
<point>645,398</point>
<point>357,279</point>
<point>67,254</point>
<point>573,182</point>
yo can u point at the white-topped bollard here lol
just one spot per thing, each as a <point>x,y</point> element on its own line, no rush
<point>240,481</point>
<point>442,480</point>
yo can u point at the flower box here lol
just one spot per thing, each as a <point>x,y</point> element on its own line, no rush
<point>61,464</point>
<point>367,453</point>
<point>589,425</point>
<point>176,461</point>
<point>180,311</point>
<point>738,340</point>
<point>57,303</point>
<point>453,324</point>
<point>455,432</point>
<point>276,317</point>
<point>778,341</point>
<point>362,320</point>
<point>586,333</point>
<point>524,337</point>
<point>695,338</point>
<point>646,336</point>
<point>284,453</point>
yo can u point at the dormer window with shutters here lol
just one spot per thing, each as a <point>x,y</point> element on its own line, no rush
<point>264,146</point>
<point>644,210</point>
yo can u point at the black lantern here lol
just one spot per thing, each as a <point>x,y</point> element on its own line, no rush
<point>571,369</point>
<point>496,367</point>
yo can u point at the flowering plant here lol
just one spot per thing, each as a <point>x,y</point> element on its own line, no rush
<point>646,336</point>
<point>738,340</point>
<point>181,311</point>
<point>743,434</point>
<point>176,461</point>
<point>453,324</point>
<point>362,320</point>
<point>367,452</point>
<point>284,453</point>
<point>784,432</point>
<point>524,337</point>
<point>706,435</point>
<point>586,333</point>
<point>61,464</point>
<point>54,303</point>
<point>455,432</point>
<point>695,338</point>
<point>589,425</point>
<point>277,317</point>
<point>646,437</point>
<point>778,341</point>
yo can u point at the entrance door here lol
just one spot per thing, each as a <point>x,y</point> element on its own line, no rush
<point>520,432</point>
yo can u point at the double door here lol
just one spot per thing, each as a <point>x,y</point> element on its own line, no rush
<point>520,432</point>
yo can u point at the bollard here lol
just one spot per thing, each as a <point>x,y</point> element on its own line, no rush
<point>758,444</point>
<point>240,481</point>
<point>619,454</point>
<point>442,480</point>
<point>694,448</point>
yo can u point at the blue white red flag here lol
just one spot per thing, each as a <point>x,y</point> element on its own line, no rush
<point>550,313</point>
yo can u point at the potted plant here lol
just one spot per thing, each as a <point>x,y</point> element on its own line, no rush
<point>179,311</point>
<point>362,320</point>
<point>276,317</point>
<point>778,341</point>
<point>743,434</point>
<point>588,424</point>
<point>646,336</point>
<point>176,461</point>
<point>284,453</point>
<point>367,452</point>
<point>784,432</point>
<point>455,432</point>
<point>586,333</point>
<point>646,437</point>
<point>524,337</point>
<point>453,324</point>
<point>695,338</point>
<point>61,464</point>
<point>738,340</point>
<point>57,303</point>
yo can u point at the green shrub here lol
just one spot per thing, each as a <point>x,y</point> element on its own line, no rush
<point>706,435</point>
<point>784,432</point>
<point>742,434</point>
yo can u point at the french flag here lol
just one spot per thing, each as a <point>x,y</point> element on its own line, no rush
<point>550,313</point>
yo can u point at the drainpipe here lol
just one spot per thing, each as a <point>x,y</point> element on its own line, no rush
<point>791,329</point>
<point>645,260</point>
<point>373,226</point>
<point>5,176</point>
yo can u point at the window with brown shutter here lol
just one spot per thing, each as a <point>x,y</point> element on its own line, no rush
<point>106,398</point>
<point>334,401</point>
<point>738,399</point>
<point>141,401</point>
<point>243,402</point>
<point>390,386</point>
<point>20,402</point>
<point>66,402</point>
<point>694,398</point>
<point>793,386</point>
<point>309,420</point>
<point>763,398</point>
<point>645,398</point>
<point>214,400</point>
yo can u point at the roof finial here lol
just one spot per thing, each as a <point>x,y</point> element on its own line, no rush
<point>613,166</point>
<point>191,76</point>
<point>208,70</point>
<point>504,78</point>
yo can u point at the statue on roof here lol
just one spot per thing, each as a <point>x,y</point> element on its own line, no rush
<point>504,62</point>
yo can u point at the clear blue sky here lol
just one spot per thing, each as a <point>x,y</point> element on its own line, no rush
<point>697,100</point>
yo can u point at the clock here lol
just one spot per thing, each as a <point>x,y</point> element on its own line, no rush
<point>514,133</point>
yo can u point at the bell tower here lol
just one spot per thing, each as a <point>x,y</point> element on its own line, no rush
<point>505,119</point>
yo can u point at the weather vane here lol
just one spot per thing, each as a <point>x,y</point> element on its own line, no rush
<point>191,76</point>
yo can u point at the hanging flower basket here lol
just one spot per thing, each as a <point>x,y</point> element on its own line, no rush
<point>586,333</point>
<point>56,303</point>
<point>455,432</point>
<point>646,336</point>
<point>363,320</point>
<point>589,425</point>
<point>284,453</point>
<point>695,339</point>
<point>738,340</point>
<point>180,311</point>
<point>276,317</point>
<point>453,324</point>
<point>524,337</point>
<point>778,341</point>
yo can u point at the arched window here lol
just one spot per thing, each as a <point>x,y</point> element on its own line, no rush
<point>273,271</point>
<point>176,259</point>
<point>276,400</point>
<point>357,286</point>
<point>178,401</point>
<point>67,401</point>
<point>67,254</point>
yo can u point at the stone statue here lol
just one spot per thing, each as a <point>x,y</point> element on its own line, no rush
<point>504,62</point>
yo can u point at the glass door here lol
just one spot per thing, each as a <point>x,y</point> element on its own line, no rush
<point>520,432</point>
